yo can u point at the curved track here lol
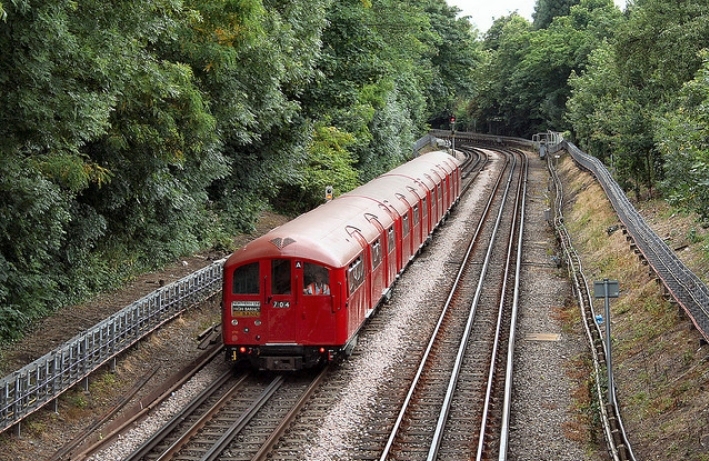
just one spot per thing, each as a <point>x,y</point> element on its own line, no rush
<point>457,388</point>
<point>462,379</point>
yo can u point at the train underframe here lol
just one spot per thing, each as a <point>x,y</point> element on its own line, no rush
<point>288,357</point>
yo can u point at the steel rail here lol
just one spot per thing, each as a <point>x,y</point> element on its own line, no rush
<point>156,438</point>
<point>509,369</point>
<point>215,452</point>
<point>501,308</point>
<point>143,407</point>
<point>457,365</point>
<point>414,383</point>
<point>266,447</point>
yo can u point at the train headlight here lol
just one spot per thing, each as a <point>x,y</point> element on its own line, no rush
<point>257,322</point>
<point>234,322</point>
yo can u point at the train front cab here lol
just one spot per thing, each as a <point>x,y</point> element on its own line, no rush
<point>277,317</point>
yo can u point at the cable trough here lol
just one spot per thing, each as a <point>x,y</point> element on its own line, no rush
<point>616,437</point>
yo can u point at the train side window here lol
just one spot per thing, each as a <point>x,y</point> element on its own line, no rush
<point>405,224</point>
<point>280,276</point>
<point>355,274</point>
<point>416,214</point>
<point>316,280</point>
<point>391,239</point>
<point>376,254</point>
<point>246,280</point>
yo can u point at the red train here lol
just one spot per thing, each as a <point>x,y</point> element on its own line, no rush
<point>298,296</point>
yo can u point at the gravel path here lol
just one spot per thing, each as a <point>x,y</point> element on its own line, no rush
<point>547,423</point>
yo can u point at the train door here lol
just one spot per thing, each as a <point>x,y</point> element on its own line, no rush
<point>394,264</point>
<point>391,260</point>
<point>281,315</point>
<point>317,316</point>
<point>378,258</point>
<point>435,206</point>
<point>407,232</point>
<point>359,280</point>
<point>426,214</point>
<point>417,226</point>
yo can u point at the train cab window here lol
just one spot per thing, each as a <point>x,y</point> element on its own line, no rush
<point>376,254</point>
<point>316,279</point>
<point>355,274</point>
<point>246,280</point>
<point>391,239</point>
<point>405,224</point>
<point>280,277</point>
<point>416,214</point>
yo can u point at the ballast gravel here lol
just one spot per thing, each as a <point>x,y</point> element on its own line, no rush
<point>546,422</point>
<point>131,440</point>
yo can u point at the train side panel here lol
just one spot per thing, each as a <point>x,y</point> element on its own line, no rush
<point>277,312</point>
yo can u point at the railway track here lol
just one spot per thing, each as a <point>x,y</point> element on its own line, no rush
<point>462,385</point>
<point>235,418</point>
<point>368,433</point>
<point>461,375</point>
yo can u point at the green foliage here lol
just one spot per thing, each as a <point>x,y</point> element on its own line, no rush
<point>395,65</point>
<point>683,140</point>
<point>495,105</point>
<point>32,217</point>
<point>546,10</point>
<point>328,164</point>
<point>135,132</point>
<point>455,55</point>
<point>635,82</point>
<point>524,88</point>
<point>594,96</point>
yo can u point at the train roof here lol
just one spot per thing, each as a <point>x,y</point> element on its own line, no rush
<point>327,233</point>
<point>438,162</point>
<point>324,234</point>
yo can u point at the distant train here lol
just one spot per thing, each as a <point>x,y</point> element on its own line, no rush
<point>299,295</point>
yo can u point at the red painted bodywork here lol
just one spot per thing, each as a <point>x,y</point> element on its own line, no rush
<point>364,238</point>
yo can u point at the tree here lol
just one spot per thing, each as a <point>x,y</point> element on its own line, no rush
<point>523,87</point>
<point>495,107</point>
<point>654,52</point>
<point>683,140</point>
<point>329,164</point>
<point>546,10</point>
<point>105,144</point>
<point>457,54</point>
<point>254,61</point>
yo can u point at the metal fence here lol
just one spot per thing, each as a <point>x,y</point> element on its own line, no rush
<point>421,143</point>
<point>683,285</point>
<point>42,381</point>
<point>690,292</point>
